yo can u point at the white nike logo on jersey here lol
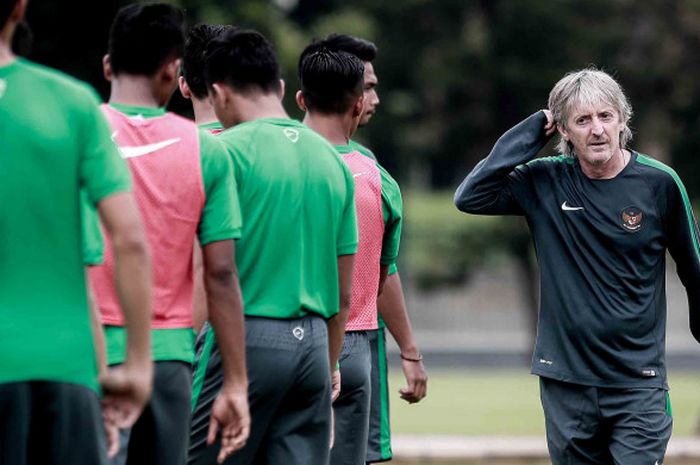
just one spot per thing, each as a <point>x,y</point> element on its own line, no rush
<point>141,150</point>
<point>3,87</point>
<point>359,174</point>
<point>567,208</point>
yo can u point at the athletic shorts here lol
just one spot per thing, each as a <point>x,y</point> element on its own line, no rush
<point>592,425</point>
<point>48,423</point>
<point>160,435</point>
<point>351,408</point>
<point>289,394</point>
<point>379,438</point>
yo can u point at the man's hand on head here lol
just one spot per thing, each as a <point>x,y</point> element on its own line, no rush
<point>550,127</point>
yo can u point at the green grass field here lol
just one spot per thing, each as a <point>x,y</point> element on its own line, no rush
<point>481,402</point>
<point>505,403</point>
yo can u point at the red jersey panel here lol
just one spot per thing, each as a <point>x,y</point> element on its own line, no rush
<point>370,226</point>
<point>163,154</point>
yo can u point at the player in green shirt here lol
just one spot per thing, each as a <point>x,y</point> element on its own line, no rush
<point>332,96</point>
<point>55,143</point>
<point>295,258</point>
<point>185,189</point>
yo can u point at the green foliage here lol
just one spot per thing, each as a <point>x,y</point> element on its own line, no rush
<point>442,245</point>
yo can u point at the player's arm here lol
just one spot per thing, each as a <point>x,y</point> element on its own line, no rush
<point>494,186</point>
<point>225,303</point>
<point>336,324</point>
<point>220,224</point>
<point>128,386</point>
<point>684,247</point>
<point>200,296</point>
<point>392,308</point>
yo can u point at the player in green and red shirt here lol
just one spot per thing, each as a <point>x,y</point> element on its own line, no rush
<point>332,96</point>
<point>55,144</point>
<point>392,307</point>
<point>185,189</point>
<point>295,259</point>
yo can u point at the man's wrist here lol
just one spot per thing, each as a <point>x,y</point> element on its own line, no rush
<point>417,357</point>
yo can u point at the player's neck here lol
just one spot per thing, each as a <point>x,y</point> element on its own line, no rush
<point>6,55</point>
<point>259,106</point>
<point>332,127</point>
<point>203,111</point>
<point>136,91</point>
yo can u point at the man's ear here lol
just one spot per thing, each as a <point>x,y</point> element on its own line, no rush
<point>184,88</point>
<point>18,11</point>
<point>562,130</point>
<point>171,70</point>
<point>358,106</point>
<point>280,93</point>
<point>107,68</point>
<point>218,92</point>
<point>299,97</point>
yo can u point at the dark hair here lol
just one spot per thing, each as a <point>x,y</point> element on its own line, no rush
<point>331,81</point>
<point>6,7</point>
<point>243,59</point>
<point>198,39</point>
<point>361,48</point>
<point>144,37</point>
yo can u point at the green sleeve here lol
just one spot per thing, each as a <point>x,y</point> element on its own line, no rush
<point>347,233</point>
<point>93,244</point>
<point>221,217</point>
<point>102,171</point>
<point>393,269</point>
<point>392,209</point>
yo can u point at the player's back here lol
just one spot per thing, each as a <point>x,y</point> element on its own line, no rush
<point>163,153</point>
<point>297,206</point>
<point>54,141</point>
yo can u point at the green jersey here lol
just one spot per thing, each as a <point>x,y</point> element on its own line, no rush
<point>55,142</point>
<point>298,209</point>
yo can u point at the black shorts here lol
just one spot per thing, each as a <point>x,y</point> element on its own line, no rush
<point>49,423</point>
<point>288,394</point>
<point>592,425</point>
<point>351,408</point>
<point>160,435</point>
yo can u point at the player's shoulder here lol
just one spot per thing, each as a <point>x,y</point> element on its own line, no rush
<point>362,149</point>
<point>66,86</point>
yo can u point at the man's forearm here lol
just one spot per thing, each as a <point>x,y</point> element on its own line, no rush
<point>225,305</point>
<point>483,190</point>
<point>392,308</point>
<point>336,334</point>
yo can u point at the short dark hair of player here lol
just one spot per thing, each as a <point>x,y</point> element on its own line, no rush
<point>331,81</point>
<point>361,48</point>
<point>198,39</point>
<point>244,60</point>
<point>6,7</point>
<point>144,37</point>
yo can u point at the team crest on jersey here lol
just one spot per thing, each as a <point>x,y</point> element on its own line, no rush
<point>632,218</point>
<point>292,134</point>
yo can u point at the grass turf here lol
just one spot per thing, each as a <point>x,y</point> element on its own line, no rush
<point>505,403</point>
